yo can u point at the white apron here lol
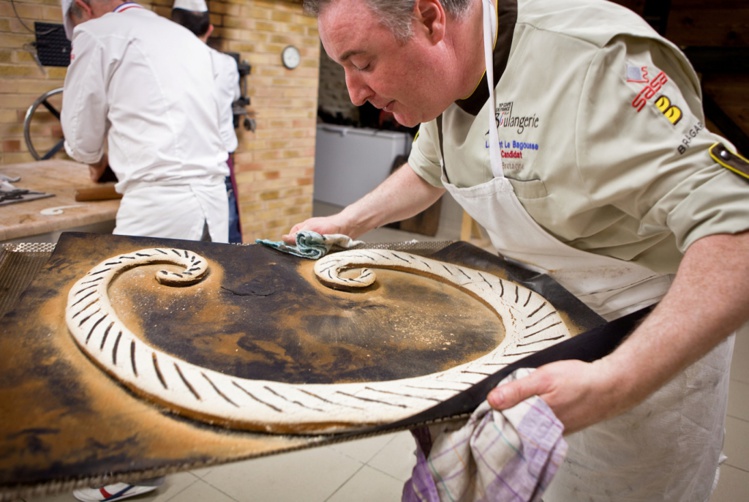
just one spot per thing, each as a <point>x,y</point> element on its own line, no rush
<point>175,211</point>
<point>668,447</point>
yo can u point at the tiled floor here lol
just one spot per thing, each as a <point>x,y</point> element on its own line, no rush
<point>374,469</point>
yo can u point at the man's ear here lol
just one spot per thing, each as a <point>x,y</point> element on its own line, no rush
<point>431,17</point>
<point>204,36</point>
<point>86,8</point>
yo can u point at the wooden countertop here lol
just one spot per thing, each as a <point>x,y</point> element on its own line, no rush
<point>58,177</point>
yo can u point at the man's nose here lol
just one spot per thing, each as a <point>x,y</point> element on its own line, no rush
<point>358,90</point>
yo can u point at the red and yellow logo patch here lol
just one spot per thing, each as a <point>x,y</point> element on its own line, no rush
<point>652,87</point>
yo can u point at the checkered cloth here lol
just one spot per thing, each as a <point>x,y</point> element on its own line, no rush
<point>495,456</point>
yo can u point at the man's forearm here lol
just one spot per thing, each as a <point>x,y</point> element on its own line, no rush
<point>708,300</point>
<point>400,196</point>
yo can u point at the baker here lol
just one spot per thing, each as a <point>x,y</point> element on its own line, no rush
<point>139,97</point>
<point>194,15</point>
<point>576,138</point>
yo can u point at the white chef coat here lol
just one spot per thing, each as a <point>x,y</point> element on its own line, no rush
<point>143,86</point>
<point>226,76</point>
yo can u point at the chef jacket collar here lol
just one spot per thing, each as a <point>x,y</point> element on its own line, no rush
<point>68,23</point>
<point>507,11</point>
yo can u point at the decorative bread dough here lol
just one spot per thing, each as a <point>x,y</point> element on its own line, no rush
<point>531,324</point>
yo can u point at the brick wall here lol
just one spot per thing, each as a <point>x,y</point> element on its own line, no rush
<point>274,164</point>
<point>22,80</point>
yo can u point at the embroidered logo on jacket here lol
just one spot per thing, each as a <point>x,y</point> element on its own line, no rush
<point>509,124</point>
<point>649,91</point>
<point>689,136</point>
<point>672,112</point>
<point>506,119</point>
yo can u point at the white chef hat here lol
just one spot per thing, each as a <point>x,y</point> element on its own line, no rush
<point>66,19</point>
<point>191,5</point>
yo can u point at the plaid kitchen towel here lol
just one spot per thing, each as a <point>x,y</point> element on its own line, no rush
<point>504,456</point>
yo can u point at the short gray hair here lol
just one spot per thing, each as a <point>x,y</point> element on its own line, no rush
<point>394,14</point>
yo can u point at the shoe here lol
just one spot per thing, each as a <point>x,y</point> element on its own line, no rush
<point>117,491</point>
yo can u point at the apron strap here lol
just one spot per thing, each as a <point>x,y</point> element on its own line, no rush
<point>490,28</point>
<point>441,140</point>
<point>495,157</point>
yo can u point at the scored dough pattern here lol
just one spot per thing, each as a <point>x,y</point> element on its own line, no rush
<point>531,324</point>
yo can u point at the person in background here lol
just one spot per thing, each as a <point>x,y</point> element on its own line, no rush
<point>139,97</point>
<point>574,134</point>
<point>194,15</point>
<point>142,88</point>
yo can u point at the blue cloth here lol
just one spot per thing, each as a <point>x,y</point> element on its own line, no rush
<point>311,245</point>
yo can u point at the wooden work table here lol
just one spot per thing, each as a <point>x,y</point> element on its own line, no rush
<point>31,221</point>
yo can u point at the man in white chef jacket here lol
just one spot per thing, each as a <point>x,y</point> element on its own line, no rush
<point>139,97</point>
<point>194,15</point>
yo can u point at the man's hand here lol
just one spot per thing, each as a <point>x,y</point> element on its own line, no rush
<point>320,224</point>
<point>96,170</point>
<point>579,393</point>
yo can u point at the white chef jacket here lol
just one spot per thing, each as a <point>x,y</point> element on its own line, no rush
<point>226,77</point>
<point>143,86</point>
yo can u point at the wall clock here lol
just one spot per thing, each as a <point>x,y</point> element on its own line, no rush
<point>290,57</point>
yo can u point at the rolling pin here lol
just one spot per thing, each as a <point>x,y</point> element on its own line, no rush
<point>102,191</point>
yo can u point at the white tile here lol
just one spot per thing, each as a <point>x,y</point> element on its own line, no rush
<point>733,485</point>
<point>738,400</point>
<point>307,475</point>
<point>397,458</point>
<point>737,443</point>
<point>742,342</point>
<point>203,472</point>
<point>174,484</point>
<point>368,485</point>
<point>363,449</point>
<point>200,491</point>
<point>740,363</point>
<point>58,497</point>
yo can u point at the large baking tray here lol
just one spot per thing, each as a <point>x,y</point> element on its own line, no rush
<point>66,424</point>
